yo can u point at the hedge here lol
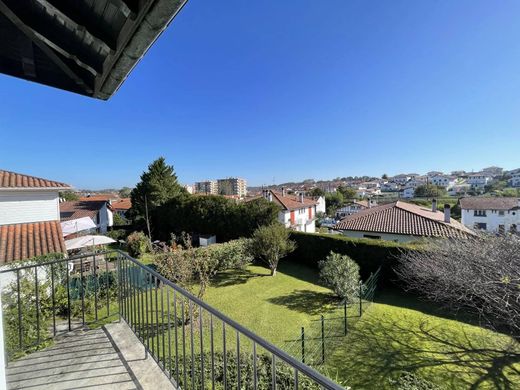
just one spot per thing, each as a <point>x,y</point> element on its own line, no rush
<point>368,254</point>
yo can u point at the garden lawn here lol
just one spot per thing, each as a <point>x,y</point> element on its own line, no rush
<point>397,333</point>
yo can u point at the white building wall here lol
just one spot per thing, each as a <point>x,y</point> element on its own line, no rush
<point>106,219</point>
<point>382,236</point>
<point>28,206</point>
<point>493,219</point>
<point>321,206</point>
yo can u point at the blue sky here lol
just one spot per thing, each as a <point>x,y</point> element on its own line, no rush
<point>288,90</point>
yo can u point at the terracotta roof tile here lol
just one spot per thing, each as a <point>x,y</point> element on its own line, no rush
<point>292,202</point>
<point>17,180</point>
<point>122,204</point>
<point>105,197</point>
<point>80,209</point>
<point>27,240</point>
<point>488,203</point>
<point>403,218</point>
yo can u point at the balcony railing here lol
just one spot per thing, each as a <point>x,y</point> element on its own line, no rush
<point>195,345</point>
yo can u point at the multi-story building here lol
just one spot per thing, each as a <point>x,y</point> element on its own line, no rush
<point>206,187</point>
<point>496,215</point>
<point>232,186</point>
<point>442,181</point>
<point>515,180</point>
<point>479,180</point>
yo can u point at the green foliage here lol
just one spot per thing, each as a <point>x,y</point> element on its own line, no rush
<point>368,254</point>
<point>430,190</point>
<point>284,374</point>
<point>230,255</point>
<point>117,234</point>
<point>270,243</point>
<point>410,381</point>
<point>212,215</point>
<point>341,274</point>
<point>158,185</point>
<point>125,192</point>
<point>69,196</point>
<point>347,192</point>
<point>316,192</point>
<point>119,220</point>
<point>137,244</point>
<point>334,200</point>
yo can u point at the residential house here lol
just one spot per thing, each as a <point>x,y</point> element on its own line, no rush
<point>442,181</point>
<point>29,217</point>
<point>99,211</point>
<point>493,171</point>
<point>515,180</point>
<point>400,179</point>
<point>121,206</point>
<point>416,182</point>
<point>354,207</point>
<point>479,180</point>
<point>496,215</point>
<point>297,211</point>
<point>407,193</point>
<point>321,205</point>
<point>402,222</point>
<point>390,187</point>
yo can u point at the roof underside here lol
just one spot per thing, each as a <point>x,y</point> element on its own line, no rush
<point>84,46</point>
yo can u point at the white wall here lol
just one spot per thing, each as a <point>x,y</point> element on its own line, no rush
<point>492,219</point>
<point>383,236</point>
<point>28,206</point>
<point>106,219</point>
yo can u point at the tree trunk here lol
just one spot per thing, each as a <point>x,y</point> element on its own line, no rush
<point>273,271</point>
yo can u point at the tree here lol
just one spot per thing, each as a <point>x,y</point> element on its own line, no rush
<point>384,177</point>
<point>316,192</point>
<point>69,196</point>
<point>429,191</point>
<point>158,185</point>
<point>341,274</point>
<point>119,220</point>
<point>347,192</point>
<point>333,200</point>
<point>125,192</point>
<point>271,243</point>
<point>479,274</point>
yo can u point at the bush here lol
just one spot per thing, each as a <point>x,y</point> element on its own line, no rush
<point>230,255</point>
<point>138,244</point>
<point>411,381</point>
<point>341,274</point>
<point>368,254</point>
<point>271,243</point>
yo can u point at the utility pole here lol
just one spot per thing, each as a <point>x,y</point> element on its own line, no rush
<point>147,219</point>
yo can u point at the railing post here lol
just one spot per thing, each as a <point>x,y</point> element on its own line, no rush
<point>303,344</point>
<point>345,315</point>
<point>322,339</point>
<point>360,302</point>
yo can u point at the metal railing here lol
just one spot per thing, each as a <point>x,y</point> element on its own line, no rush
<point>194,344</point>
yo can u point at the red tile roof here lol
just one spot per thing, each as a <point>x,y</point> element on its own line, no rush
<point>105,197</point>
<point>122,204</point>
<point>403,218</point>
<point>27,240</point>
<point>18,180</point>
<point>292,202</point>
<point>80,209</point>
<point>488,203</point>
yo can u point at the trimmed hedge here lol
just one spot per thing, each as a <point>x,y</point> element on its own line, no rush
<point>368,254</point>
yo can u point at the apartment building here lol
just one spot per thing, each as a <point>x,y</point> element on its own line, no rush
<point>206,187</point>
<point>232,186</point>
<point>495,215</point>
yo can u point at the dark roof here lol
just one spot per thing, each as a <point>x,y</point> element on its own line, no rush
<point>403,218</point>
<point>80,209</point>
<point>27,240</point>
<point>488,203</point>
<point>88,46</point>
<point>17,180</point>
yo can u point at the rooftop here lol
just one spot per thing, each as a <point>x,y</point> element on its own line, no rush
<point>13,180</point>
<point>403,218</point>
<point>80,208</point>
<point>489,203</point>
<point>292,202</point>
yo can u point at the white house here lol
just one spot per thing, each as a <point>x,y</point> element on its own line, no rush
<point>496,215</point>
<point>442,181</point>
<point>99,211</point>
<point>407,193</point>
<point>29,217</point>
<point>390,187</point>
<point>402,222</point>
<point>354,207</point>
<point>297,211</point>
<point>515,180</point>
<point>400,179</point>
<point>479,180</point>
<point>321,205</point>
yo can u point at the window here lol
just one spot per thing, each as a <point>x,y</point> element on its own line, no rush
<point>513,228</point>
<point>501,212</point>
<point>480,226</point>
<point>501,229</point>
<point>479,213</point>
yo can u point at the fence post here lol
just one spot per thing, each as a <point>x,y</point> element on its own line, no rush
<point>322,339</point>
<point>360,302</point>
<point>345,315</point>
<point>303,344</point>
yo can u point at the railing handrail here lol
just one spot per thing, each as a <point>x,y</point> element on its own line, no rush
<point>308,371</point>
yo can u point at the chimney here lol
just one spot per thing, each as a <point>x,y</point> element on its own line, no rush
<point>283,191</point>
<point>447,213</point>
<point>270,196</point>
<point>434,205</point>
<point>301,197</point>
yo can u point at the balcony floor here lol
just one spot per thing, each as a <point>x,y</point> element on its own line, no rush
<point>107,358</point>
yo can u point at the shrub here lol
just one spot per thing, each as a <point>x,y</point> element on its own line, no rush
<point>230,255</point>
<point>138,244</point>
<point>341,274</point>
<point>271,243</point>
<point>368,254</point>
<point>410,381</point>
